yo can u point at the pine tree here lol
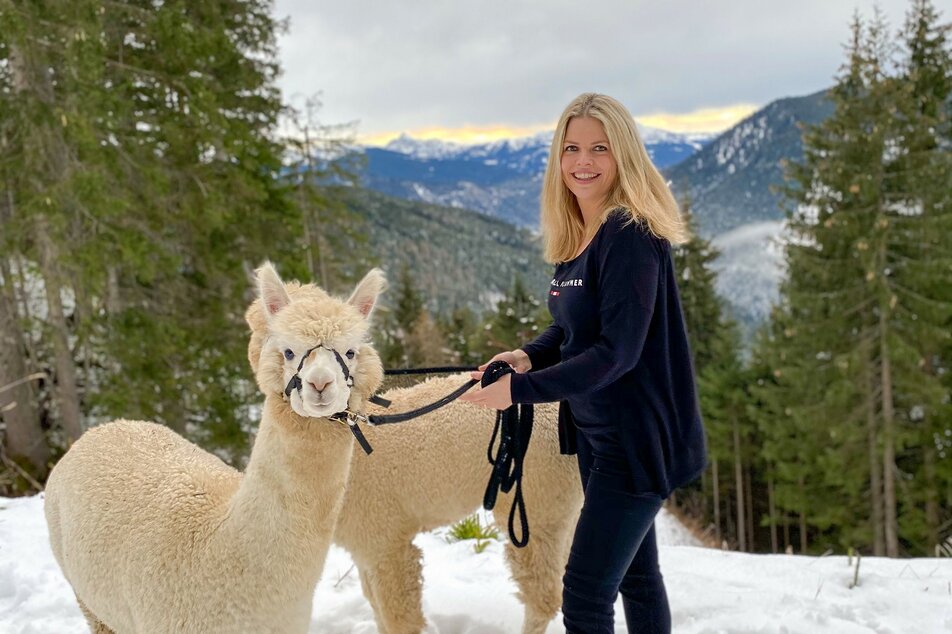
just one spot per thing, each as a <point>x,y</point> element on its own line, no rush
<point>320,164</point>
<point>516,320</point>
<point>461,331</point>
<point>921,196</point>
<point>139,178</point>
<point>425,344</point>
<point>51,170</point>
<point>766,414</point>
<point>854,253</point>
<point>702,308</point>
<point>721,385</point>
<point>393,337</point>
<point>196,156</point>
<point>409,303</point>
<point>832,345</point>
<point>716,346</point>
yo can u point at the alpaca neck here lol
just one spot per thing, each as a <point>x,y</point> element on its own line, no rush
<point>291,491</point>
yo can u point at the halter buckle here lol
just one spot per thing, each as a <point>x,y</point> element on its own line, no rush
<point>353,418</point>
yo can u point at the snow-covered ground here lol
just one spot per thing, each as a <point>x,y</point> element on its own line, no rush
<point>710,591</point>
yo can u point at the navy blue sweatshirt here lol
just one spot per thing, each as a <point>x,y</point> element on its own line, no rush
<point>617,354</point>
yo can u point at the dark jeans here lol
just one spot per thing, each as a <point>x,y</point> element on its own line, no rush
<point>614,548</point>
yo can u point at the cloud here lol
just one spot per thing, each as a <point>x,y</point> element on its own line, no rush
<point>417,65</point>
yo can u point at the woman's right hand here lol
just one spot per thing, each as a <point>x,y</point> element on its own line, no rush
<point>518,359</point>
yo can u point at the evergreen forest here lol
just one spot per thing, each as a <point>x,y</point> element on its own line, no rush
<point>148,164</point>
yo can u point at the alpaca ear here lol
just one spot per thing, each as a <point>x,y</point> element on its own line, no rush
<point>365,295</point>
<point>271,290</point>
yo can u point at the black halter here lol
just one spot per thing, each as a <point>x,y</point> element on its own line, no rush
<point>296,384</point>
<point>347,417</point>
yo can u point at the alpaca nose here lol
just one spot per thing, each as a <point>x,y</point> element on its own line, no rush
<point>318,385</point>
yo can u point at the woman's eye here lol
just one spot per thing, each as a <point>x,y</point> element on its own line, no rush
<point>351,354</point>
<point>601,148</point>
<point>570,148</point>
<point>288,354</point>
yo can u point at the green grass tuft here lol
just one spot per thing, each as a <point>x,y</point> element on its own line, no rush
<point>472,528</point>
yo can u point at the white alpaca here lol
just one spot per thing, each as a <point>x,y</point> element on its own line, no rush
<point>432,471</point>
<point>156,535</point>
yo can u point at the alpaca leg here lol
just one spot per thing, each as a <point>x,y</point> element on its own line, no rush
<point>537,569</point>
<point>366,584</point>
<point>95,625</point>
<point>395,581</point>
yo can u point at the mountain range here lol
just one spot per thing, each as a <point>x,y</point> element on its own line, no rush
<point>730,180</point>
<point>501,179</point>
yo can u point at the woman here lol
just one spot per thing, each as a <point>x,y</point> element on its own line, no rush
<point>616,356</point>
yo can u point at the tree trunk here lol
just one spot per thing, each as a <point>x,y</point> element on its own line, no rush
<point>931,494</point>
<point>24,439</point>
<point>321,272</point>
<point>739,487</point>
<point>875,473</point>
<point>751,539</point>
<point>113,297</point>
<point>786,532</point>
<point>306,225</point>
<point>67,394</point>
<point>84,314</point>
<point>889,444</point>
<point>803,519</point>
<point>30,75</point>
<point>715,488</point>
<point>772,509</point>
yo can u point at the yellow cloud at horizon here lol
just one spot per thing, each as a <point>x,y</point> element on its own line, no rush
<point>465,135</point>
<point>701,120</point>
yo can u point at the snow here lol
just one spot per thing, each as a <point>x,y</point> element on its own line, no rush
<point>650,136</point>
<point>711,591</point>
<point>750,267</point>
<point>424,149</point>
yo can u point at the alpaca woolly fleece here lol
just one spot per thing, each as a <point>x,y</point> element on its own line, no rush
<point>157,535</point>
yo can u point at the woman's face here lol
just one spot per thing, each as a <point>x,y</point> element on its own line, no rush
<point>588,167</point>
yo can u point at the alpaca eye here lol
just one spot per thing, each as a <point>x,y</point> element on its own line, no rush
<point>351,354</point>
<point>289,354</point>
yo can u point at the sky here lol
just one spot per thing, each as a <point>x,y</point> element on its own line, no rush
<point>479,71</point>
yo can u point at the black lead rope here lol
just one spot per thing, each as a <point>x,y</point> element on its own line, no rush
<point>435,370</point>
<point>514,429</point>
<point>388,419</point>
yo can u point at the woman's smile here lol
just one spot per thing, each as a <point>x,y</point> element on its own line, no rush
<point>585,177</point>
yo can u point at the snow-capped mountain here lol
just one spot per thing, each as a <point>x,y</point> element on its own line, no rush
<point>730,180</point>
<point>500,178</point>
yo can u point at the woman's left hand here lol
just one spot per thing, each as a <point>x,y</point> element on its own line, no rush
<point>496,395</point>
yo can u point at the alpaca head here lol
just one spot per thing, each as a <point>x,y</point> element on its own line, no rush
<point>301,330</point>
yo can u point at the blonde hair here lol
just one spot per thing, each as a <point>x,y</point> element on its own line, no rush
<point>639,191</point>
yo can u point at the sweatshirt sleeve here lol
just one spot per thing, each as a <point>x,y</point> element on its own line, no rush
<point>629,267</point>
<point>545,350</point>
